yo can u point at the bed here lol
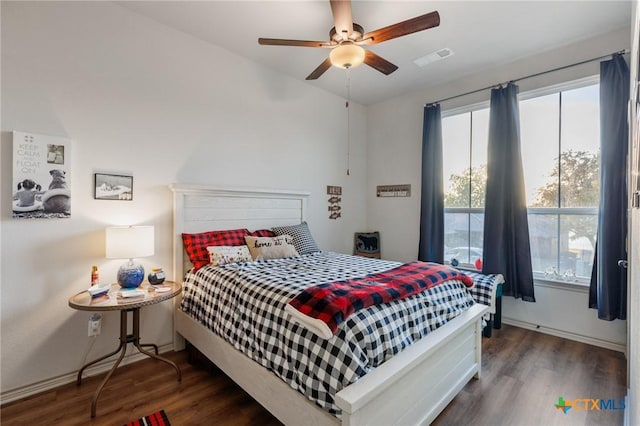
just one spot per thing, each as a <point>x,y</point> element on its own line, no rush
<point>412,387</point>
<point>488,291</point>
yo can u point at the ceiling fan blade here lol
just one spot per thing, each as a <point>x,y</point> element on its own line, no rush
<point>403,28</point>
<point>286,42</point>
<point>379,63</point>
<point>341,10</point>
<point>320,70</point>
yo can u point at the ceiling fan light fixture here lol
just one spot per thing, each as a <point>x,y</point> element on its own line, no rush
<point>346,38</point>
<point>347,55</point>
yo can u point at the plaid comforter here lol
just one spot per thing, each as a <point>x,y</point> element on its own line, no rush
<point>331,303</point>
<point>244,303</point>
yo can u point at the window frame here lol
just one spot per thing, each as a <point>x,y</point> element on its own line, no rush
<point>557,211</point>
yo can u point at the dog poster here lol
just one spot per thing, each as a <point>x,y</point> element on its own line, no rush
<point>41,169</point>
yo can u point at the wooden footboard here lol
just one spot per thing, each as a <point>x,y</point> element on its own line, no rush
<point>416,385</point>
<point>412,388</point>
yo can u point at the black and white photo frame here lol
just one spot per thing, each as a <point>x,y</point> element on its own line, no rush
<point>113,187</point>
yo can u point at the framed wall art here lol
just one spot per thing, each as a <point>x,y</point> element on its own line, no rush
<point>41,172</point>
<point>113,187</point>
<point>367,244</point>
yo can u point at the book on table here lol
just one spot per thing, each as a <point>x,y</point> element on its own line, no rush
<point>130,295</point>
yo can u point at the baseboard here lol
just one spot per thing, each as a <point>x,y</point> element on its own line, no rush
<point>566,335</point>
<point>101,367</point>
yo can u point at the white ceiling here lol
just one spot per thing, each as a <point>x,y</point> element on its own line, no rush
<point>482,34</point>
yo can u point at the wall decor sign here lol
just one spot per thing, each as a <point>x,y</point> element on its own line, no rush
<point>41,172</point>
<point>334,202</point>
<point>113,187</point>
<point>393,190</point>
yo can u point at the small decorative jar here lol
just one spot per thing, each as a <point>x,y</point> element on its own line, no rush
<point>156,276</point>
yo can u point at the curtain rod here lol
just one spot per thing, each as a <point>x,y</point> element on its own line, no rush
<point>620,52</point>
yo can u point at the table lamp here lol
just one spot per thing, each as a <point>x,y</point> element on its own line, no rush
<point>129,242</point>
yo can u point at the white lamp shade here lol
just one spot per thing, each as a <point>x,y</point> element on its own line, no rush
<point>127,242</point>
<point>347,55</point>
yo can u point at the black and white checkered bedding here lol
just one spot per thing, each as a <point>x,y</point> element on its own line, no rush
<point>244,303</point>
<point>484,288</point>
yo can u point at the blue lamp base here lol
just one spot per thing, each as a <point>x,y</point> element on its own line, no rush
<point>130,275</point>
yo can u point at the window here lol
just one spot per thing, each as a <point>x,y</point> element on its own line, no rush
<point>465,174</point>
<point>560,136</point>
<point>561,160</point>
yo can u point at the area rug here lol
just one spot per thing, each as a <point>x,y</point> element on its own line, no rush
<point>159,418</point>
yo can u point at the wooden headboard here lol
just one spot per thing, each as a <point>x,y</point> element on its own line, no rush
<point>200,208</point>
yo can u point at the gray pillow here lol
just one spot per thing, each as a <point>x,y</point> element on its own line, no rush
<point>302,239</point>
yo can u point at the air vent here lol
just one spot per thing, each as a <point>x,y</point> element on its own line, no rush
<point>433,57</point>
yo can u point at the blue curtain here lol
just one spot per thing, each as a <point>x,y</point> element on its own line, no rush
<point>506,247</point>
<point>608,290</point>
<point>431,247</point>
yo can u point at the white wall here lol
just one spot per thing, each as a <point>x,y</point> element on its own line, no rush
<point>394,129</point>
<point>137,97</point>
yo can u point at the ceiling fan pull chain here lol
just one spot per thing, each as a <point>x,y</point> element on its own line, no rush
<point>348,120</point>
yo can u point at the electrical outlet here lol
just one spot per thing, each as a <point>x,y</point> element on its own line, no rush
<point>95,325</point>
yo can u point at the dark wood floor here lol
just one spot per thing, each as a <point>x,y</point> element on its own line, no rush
<point>524,373</point>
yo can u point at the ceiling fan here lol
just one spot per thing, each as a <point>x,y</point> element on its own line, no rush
<point>347,39</point>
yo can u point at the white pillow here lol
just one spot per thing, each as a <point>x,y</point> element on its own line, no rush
<point>271,247</point>
<point>222,255</point>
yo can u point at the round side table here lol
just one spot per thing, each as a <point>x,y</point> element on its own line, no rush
<point>113,302</point>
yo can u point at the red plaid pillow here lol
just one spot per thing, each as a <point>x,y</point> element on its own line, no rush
<point>263,233</point>
<point>196,244</point>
